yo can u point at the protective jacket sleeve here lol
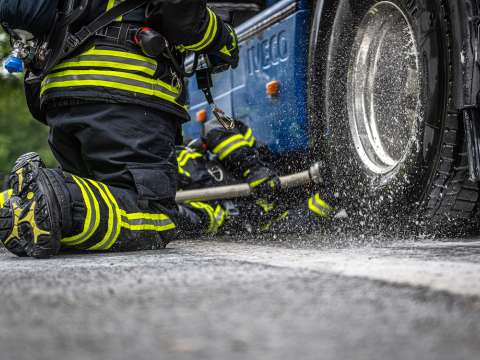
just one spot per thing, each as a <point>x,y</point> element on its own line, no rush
<point>34,16</point>
<point>189,24</point>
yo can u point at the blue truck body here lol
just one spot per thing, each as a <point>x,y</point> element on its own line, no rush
<point>274,46</point>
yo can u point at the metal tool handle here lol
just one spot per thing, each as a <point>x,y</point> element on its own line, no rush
<point>243,190</point>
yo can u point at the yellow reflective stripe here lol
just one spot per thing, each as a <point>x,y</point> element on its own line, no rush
<point>148,227</point>
<point>208,37</point>
<point>249,138</point>
<point>19,174</point>
<point>251,142</point>
<point>319,206</point>
<point>119,74</point>
<point>5,196</point>
<point>114,220</point>
<point>232,149</point>
<point>209,210</point>
<point>144,216</point>
<point>258,182</point>
<point>120,54</point>
<point>269,225</point>
<point>217,216</point>
<point>150,65</point>
<point>228,146</point>
<point>109,84</point>
<point>107,64</point>
<point>188,157</point>
<point>266,206</point>
<point>91,212</point>
<point>183,172</point>
<point>113,85</point>
<point>144,224</point>
<point>110,217</point>
<point>182,155</point>
<point>88,216</point>
<point>227,142</point>
<point>322,202</point>
<point>111,4</point>
<point>220,216</point>
<point>314,209</point>
<point>117,216</point>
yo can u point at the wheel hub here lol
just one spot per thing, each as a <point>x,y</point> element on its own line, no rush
<point>384,88</point>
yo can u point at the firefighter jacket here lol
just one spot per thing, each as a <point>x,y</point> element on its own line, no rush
<point>112,69</point>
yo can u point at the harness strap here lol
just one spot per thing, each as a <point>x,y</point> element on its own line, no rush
<point>86,32</point>
<point>72,42</point>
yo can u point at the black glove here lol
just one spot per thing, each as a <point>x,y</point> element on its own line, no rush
<point>319,207</point>
<point>265,183</point>
<point>228,55</point>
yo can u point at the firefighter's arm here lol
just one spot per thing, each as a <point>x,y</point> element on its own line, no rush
<point>36,17</point>
<point>236,150</point>
<point>192,26</point>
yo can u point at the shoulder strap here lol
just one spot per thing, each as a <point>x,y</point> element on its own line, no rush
<point>108,17</point>
<point>64,43</point>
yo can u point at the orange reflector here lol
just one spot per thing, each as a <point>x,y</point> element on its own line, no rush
<point>202,116</point>
<point>273,88</point>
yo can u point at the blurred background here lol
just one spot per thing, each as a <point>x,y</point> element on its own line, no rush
<point>19,132</point>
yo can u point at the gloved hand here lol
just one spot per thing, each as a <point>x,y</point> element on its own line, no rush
<point>319,207</point>
<point>265,183</point>
<point>212,216</point>
<point>228,55</point>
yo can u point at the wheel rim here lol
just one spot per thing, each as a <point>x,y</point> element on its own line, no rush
<point>384,88</point>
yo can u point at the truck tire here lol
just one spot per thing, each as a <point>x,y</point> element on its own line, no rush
<point>382,115</point>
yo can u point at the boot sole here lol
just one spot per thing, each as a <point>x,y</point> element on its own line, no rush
<point>41,223</point>
<point>27,163</point>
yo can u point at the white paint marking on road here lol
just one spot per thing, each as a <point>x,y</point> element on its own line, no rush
<point>455,277</point>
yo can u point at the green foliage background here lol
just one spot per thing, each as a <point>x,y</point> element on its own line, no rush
<point>19,132</point>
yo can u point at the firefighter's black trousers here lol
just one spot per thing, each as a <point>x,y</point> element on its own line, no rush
<point>120,169</point>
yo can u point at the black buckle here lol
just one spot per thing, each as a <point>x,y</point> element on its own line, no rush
<point>72,41</point>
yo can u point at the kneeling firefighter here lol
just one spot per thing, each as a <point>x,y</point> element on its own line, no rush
<point>114,101</point>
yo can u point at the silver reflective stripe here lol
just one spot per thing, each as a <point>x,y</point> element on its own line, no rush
<point>321,204</point>
<point>141,222</point>
<point>220,215</point>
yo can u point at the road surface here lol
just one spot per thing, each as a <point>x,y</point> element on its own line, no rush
<point>307,298</point>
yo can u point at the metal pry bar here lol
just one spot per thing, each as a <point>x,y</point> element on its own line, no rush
<point>311,176</point>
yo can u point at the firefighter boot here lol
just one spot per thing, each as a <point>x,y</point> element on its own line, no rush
<point>23,171</point>
<point>37,216</point>
<point>18,181</point>
<point>7,229</point>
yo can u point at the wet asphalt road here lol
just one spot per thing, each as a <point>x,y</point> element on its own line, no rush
<point>224,300</point>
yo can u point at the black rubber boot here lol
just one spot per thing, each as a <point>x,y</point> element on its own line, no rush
<point>37,217</point>
<point>9,233</point>
<point>19,180</point>
<point>22,173</point>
